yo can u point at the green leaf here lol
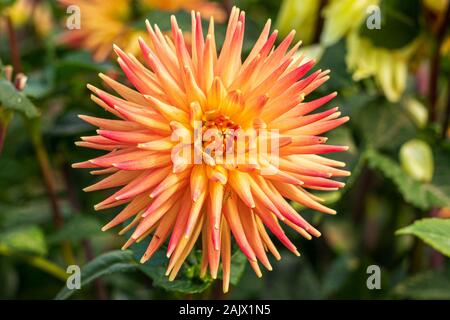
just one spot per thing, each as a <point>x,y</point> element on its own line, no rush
<point>416,158</point>
<point>238,263</point>
<point>28,239</point>
<point>77,61</point>
<point>433,231</point>
<point>107,263</point>
<point>187,280</point>
<point>427,285</point>
<point>399,24</point>
<point>391,129</point>
<point>77,228</point>
<point>421,195</point>
<point>334,59</point>
<point>11,99</point>
<point>40,83</point>
<point>32,212</point>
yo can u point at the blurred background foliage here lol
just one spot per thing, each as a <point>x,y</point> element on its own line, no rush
<point>392,81</point>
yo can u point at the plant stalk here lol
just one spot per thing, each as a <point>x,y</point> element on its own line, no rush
<point>436,66</point>
<point>446,120</point>
<point>3,130</point>
<point>100,288</point>
<point>49,183</point>
<point>319,22</point>
<point>13,45</point>
<point>38,262</point>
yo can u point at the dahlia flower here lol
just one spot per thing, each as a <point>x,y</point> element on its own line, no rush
<point>208,146</point>
<point>103,22</point>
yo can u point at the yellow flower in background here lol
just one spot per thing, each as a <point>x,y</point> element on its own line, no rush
<point>437,6</point>
<point>300,16</point>
<point>25,11</point>
<point>344,19</point>
<point>203,6</point>
<point>445,48</point>
<point>388,67</point>
<point>341,17</point>
<point>104,23</point>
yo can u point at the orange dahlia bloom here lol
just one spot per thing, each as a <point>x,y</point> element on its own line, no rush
<point>209,145</point>
<point>106,22</point>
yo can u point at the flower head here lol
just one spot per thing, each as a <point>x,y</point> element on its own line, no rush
<point>107,22</point>
<point>209,146</point>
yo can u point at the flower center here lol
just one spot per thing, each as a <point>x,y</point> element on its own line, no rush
<point>219,133</point>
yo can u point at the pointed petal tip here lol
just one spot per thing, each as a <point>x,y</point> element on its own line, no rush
<point>143,260</point>
<point>75,165</point>
<point>91,88</point>
<point>116,48</point>
<point>331,211</point>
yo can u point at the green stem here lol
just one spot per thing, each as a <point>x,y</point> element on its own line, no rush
<point>446,120</point>
<point>44,164</point>
<point>5,119</point>
<point>100,288</point>
<point>38,262</point>
<point>418,249</point>
<point>319,21</point>
<point>13,45</point>
<point>436,66</point>
<point>3,129</point>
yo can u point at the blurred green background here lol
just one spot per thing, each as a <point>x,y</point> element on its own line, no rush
<point>390,64</point>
